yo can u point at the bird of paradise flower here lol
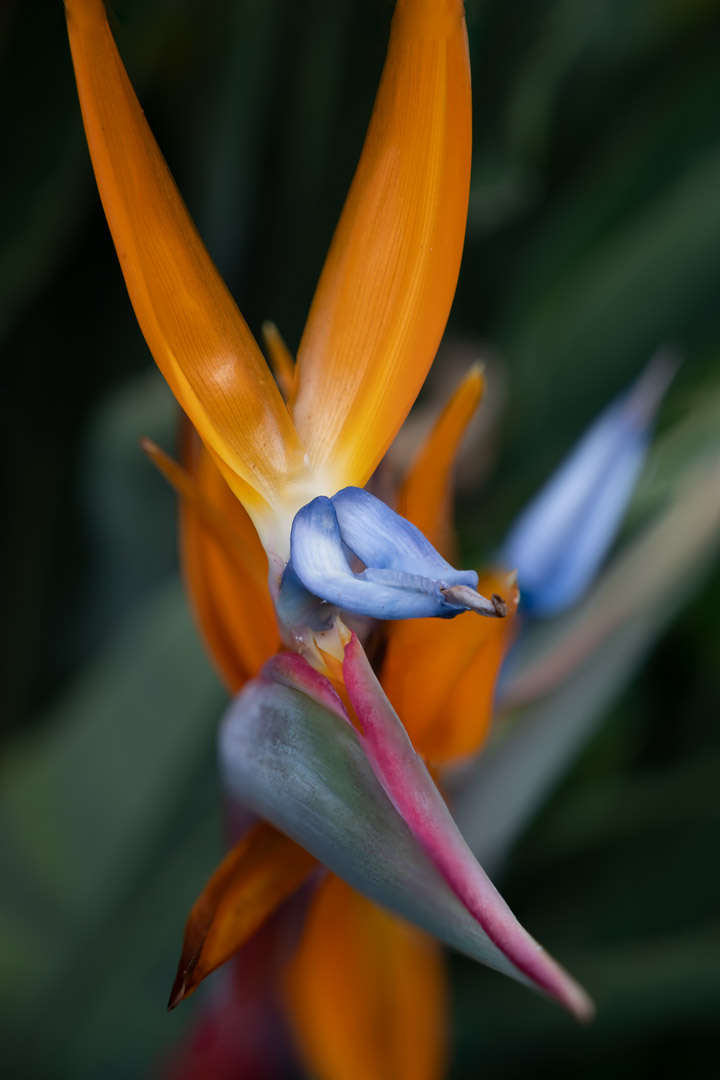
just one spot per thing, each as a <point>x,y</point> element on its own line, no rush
<point>312,744</point>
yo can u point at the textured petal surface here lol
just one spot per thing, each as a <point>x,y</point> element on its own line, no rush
<point>300,766</point>
<point>250,883</point>
<point>385,292</point>
<point>441,676</point>
<point>368,993</point>
<point>425,497</point>
<point>193,328</point>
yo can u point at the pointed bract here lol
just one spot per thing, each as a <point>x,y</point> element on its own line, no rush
<point>412,791</point>
<point>302,767</point>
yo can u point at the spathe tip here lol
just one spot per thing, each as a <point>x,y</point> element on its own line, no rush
<point>179,990</point>
<point>578,1002</point>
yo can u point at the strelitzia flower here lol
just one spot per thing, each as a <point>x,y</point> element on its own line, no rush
<point>312,745</point>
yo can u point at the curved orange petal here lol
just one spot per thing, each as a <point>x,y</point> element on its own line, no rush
<point>440,675</point>
<point>224,564</point>
<point>281,359</point>
<point>198,337</point>
<point>227,584</point>
<point>425,497</point>
<point>368,993</point>
<point>250,883</point>
<point>386,288</point>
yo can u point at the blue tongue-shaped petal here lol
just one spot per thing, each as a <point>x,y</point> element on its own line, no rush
<point>383,539</point>
<point>561,538</point>
<point>404,576</point>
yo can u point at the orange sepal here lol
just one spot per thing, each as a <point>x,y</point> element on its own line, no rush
<point>425,497</point>
<point>385,291</point>
<point>195,332</point>
<point>367,992</point>
<point>249,884</point>
<point>228,590</point>
<point>224,564</point>
<point>440,674</point>
<point>281,359</point>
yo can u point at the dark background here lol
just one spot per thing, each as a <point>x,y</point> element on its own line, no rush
<point>593,237</point>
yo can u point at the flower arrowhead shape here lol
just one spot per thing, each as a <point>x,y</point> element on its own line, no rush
<point>326,748</point>
<point>365,805</point>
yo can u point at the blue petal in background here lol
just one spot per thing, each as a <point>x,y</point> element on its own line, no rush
<point>560,540</point>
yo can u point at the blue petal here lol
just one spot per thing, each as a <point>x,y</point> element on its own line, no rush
<point>559,541</point>
<point>383,539</point>
<point>383,591</point>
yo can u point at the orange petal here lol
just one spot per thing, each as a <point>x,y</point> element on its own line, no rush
<point>426,495</point>
<point>194,330</point>
<point>386,288</point>
<point>368,992</point>
<point>227,587</point>
<point>281,359</point>
<point>250,883</point>
<point>224,564</point>
<point>440,675</point>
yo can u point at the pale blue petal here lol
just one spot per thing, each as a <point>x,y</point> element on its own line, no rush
<point>383,539</point>
<point>404,581</point>
<point>559,542</point>
<point>320,563</point>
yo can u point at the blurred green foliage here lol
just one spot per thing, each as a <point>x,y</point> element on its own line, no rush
<point>593,237</point>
